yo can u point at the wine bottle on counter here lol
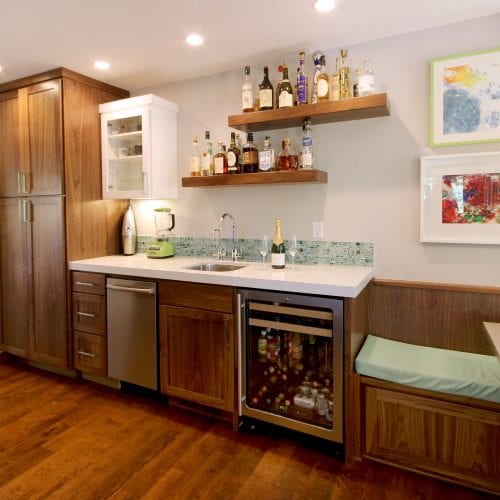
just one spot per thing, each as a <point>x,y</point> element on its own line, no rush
<point>278,250</point>
<point>247,92</point>
<point>266,92</point>
<point>195,159</point>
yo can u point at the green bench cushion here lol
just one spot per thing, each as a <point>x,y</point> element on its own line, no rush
<point>452,372</point>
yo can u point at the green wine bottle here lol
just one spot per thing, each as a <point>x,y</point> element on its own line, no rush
<point>278,250</point>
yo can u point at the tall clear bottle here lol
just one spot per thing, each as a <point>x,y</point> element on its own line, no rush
<point>317,70</point>
<point>307,146</point>
<point>207,158</point>
<point>366,81</point>
<point>301,81</point>
<point>247,92</point>
<point>286,90</point>
<point>278,250</point>
<point>323,82</point>
<point>195,159</point>
<point>266,92</point>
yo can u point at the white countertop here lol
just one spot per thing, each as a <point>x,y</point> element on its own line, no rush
<point>321,279</point>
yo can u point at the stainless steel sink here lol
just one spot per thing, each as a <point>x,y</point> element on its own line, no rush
<point>214,267</point>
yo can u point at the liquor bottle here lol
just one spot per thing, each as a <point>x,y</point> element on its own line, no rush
<point>301,81</point>
<point>265,92</point>
<point>233,157</point>
<point>195,159</point>
<point>288,158</point>
<point>317,70</point>
<point>278,86</point>
<point>266,156</point>
<point>220,160</point>
<point>307,146</point>
<point>344,70</point>
<point>207,158</point>
<point>335,83</point>
<point>239,147</point>
<point>278,250</point>
<point>323,83</point>
<point>250,156</point>
<point>247,92</point>
<point>286,90</point>
<point>366,81</point>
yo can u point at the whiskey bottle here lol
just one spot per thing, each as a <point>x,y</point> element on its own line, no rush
<point>286,90</point>
<point>278,248</point>
<point>250,156</point>
<point>233,157</point>
<point>207,158</point>
<point>323,83</point>
<point>247,92</point>
<point>265,92</point>
<point>195,159</point>
<point>301,81</point>
<point>220,161</point>
<point>266,156</point>
<point>239,147</point>
<point>344,82</point>
<point>287,159</point>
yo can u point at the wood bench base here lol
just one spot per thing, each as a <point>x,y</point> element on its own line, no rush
<point>454,438</point>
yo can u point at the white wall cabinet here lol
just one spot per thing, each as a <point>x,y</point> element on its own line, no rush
<point>139,148</point>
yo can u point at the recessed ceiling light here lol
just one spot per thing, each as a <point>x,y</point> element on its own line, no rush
<point>101,65</point>
<point>323,5</point>
<point>194,40</point>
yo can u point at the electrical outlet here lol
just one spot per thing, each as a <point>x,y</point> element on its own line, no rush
<point>318,229</point>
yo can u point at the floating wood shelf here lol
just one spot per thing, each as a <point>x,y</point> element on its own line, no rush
<point>282,177</point>
<point>356,108</point>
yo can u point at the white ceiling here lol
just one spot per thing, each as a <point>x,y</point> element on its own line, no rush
<point>144,39</point>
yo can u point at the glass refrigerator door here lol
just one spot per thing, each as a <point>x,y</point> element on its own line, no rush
<point>290,365</point>
<point>123,151</point>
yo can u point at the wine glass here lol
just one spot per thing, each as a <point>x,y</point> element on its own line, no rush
<point>292,250</point>
<point>263,248</point>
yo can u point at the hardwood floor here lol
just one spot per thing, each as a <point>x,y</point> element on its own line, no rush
<point>67,439</point>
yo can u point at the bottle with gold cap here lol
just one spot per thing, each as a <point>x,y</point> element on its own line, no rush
<point>278,250</point>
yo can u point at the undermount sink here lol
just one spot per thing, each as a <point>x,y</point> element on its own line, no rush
<point>214,267</point>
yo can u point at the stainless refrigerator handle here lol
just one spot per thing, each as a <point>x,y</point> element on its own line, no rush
<point>144,291</point>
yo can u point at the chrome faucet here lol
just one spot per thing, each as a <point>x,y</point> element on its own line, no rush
<point>234,252</point>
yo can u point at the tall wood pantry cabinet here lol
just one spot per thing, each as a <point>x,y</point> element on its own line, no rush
<point>51,207</point>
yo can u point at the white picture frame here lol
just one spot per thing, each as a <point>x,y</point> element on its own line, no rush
<point>452,188</point>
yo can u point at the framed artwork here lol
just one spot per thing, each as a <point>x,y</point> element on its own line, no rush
<point>460,198</point>
<point>465,99</point>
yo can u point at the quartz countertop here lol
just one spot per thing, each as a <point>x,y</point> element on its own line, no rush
<point>321,279</point>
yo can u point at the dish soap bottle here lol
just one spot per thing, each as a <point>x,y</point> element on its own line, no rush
<point>129,232</point>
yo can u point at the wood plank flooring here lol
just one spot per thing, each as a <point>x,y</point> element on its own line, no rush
<point>67,439</point>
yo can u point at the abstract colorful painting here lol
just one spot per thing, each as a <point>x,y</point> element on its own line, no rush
<point>465,98</point>
<point>471,199</point>
<point>460,198</point>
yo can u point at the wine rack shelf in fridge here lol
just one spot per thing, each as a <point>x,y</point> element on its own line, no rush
<point>291,361</point>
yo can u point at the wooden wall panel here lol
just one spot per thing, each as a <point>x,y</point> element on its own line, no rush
<point>444,316</point>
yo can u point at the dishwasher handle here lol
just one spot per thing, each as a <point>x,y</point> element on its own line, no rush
<point>144,291</point>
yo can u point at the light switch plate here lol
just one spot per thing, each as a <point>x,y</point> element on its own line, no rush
<point>318,231</point>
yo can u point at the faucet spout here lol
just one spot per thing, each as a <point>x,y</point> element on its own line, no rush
<point>234,252</point>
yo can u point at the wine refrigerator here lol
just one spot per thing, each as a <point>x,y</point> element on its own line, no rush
<point>291,361</point>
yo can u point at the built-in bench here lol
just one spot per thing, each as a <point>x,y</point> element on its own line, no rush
<point>429,394</point>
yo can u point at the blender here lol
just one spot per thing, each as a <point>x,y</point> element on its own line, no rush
<point>162,247</point>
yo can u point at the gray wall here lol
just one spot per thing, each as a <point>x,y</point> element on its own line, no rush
<point>373,165</point>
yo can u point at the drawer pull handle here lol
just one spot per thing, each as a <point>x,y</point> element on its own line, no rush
<point>84,283</point>
<point>88,354</point>
<point>87,315</point>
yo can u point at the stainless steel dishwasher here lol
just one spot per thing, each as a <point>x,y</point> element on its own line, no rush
<point>131,314</point>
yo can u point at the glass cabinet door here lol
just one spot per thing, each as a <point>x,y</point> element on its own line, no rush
<point>123,156</point>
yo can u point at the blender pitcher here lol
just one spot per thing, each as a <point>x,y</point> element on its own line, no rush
<point>162,247</point>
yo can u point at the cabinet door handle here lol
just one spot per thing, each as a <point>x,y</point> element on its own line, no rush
<point>84,283</point>
<point>226,336</point>
<point>145,183</point>
<point>88,354</point>
<point>87,315</point>
<point>24,211</point>
<point>21,183</point>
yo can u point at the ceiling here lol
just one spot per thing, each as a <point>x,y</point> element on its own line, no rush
<point>144,39</point>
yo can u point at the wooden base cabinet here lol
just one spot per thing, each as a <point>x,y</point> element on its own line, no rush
<point>197,344</point>
<point>51,207</point>
<point>89,322</point>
